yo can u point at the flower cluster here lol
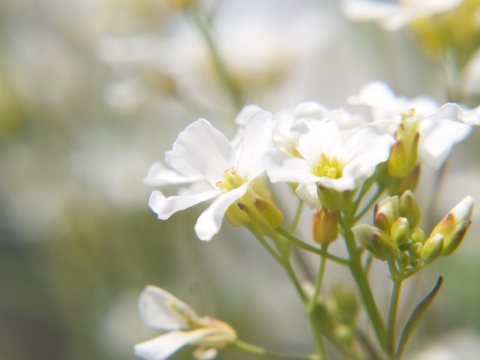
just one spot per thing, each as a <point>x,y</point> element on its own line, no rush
<point>332,160</point>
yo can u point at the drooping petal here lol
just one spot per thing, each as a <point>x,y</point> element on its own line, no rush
<point>210,221</point>
<point>204,148</point>
<point>163,311</point>
<point>164,346</point>
<point>159,175</point>
<point>165,207</point>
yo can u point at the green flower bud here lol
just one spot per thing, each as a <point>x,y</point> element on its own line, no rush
<point>409,208</point>
<point>410,182</point>
<point>418,235</point>
<point>236,215</point>
<point>415,250</point>
<point>333,199</point>
<point>403,155</point>
<point>385,213</point>
<point>400,230</point>
<point>343,305</point>
<point>454,225</point>
<point>377,241</point>
<point>324,226</point>
<point>432,248</point>
<point>272,217</point>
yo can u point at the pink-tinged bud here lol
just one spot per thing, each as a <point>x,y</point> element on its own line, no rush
<point>377,241</point>
<point>409,208</point>
<point>454,225</point>
<point>385,213</point>
<point>432,248</point>
<point>324,226</point>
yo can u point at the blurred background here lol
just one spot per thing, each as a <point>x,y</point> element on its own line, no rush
<point>94,91</point>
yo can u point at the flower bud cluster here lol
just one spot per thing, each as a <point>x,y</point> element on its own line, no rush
<point>395,234</point>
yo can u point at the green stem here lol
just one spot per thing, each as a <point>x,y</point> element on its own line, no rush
<point>220,67</point>
<point>361,279</point>
<point>297,217</point>
<point>392,313</point>
<point>253,349</point>
<point>310,311</point>
<point>287,235</point>
<point>318,283</point>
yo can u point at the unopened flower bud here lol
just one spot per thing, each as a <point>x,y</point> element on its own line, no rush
<point>333,199</point>
<point>403,155</point>
<point>432,248</point>
<point>377,241</point>
<point>400,230</point>
<point>386,211</point>
<point>454,225</point>
<point>182,4</point>
<point>409,208</point>
<point>324,226</point>
<point>415,250</point>
<point>236,215</point>
<point>418,235</point>
<point>410,182</point>
<point>270,214</point>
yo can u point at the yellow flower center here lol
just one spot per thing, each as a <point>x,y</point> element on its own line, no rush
<point>231,180</point>
<point>328,167</point>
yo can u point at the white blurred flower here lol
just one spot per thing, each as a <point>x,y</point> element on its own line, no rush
<point>161,310</point>
<point>329,157</point>
<point>440,128</point>
<point>395,15</point>
<point>217,169</point>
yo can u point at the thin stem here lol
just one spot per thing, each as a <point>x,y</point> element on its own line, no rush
<point>297,217</point>
<point>220,67</point>
<point>392,313</point>
<point>266,245</point>
<point>361,279</point>
<point>287,235</point>
<point>253,349</point>
<point>318,283</point>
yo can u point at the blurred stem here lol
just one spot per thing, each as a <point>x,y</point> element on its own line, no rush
<point>392,313</point>
<point>253,349</point>
<point>217,60</point>
<point>297,217</point>
<point>361,279</point>
<point>318,282</point>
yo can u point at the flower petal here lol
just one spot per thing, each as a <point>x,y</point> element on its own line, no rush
<point>204,148</point>
<point>165,207</point>
<point>210,221</point>
<point>257,140</point>
<point>437,140</point>
<point>162,347</point>
<point>163,311</point>
<point>159,175</point>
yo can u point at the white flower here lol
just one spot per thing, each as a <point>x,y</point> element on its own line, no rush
<point>331,158</point>
<point>161,310</point>
<point>393,16</point>
<point>218,170</point>
<point>440,128</point>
